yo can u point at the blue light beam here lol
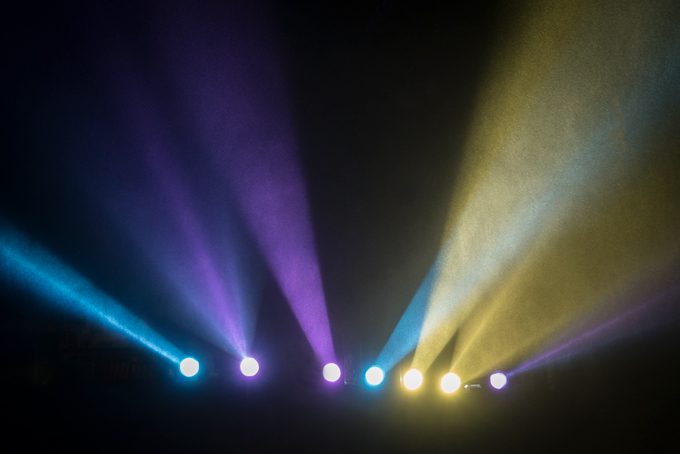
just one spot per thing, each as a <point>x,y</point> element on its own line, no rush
<point>407,332</point>
<point>31,267</point>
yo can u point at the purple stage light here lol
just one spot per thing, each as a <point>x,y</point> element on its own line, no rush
<point>331,372</point>
<point>249,367</point>
<point>498,380</point>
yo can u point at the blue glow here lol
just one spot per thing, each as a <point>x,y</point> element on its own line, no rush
<point>189,367</point>
<point>374,376</point>
<point>407,332</point>
<point>331,372</point>
<point>33,268</point>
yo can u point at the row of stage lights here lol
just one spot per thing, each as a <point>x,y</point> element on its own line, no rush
<point>374,376</point>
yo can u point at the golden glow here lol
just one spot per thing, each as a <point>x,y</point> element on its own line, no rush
<point>564,196</point>
<point>413,379</point>
<point>608,248</point>
<point>450,383</point>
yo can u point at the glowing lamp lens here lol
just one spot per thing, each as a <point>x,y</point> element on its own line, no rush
<point>374,376</point>
<point>450,383</point>
<point>413,379</point>
<point>331,372</point>
<point>189,367</point>
<point>249,367</point>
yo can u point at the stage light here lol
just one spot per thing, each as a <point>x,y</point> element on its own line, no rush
<point>450,383</point>
<point>189,367</point>
<point>413,379</point>
<point>249,366</point>
<point>375,376</point>
<point>331,372</point>
<point>498,380</point>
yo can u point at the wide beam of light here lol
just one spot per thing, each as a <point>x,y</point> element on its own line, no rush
<point>243,119</point>
<point>561,122</point>
<point>34,269</point>
<point>620,226</point>
<point>204,269</point>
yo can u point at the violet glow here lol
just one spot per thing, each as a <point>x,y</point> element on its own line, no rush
<point>220,294</point>
<point>596,333</point>
<point>235,91</point>
<point>212,282</point>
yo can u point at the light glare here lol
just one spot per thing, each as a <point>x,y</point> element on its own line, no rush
<point>413,379</point>
<point>331,372</point>
<point>189,367</point>
<point>498,380</point>
<point>450,383</point>
<point>249,367</point>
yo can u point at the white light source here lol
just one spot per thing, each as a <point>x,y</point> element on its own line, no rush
<point>374,376</point>
<point>249,366</point>
<point>498,380</point>
<point>189,367</point>
<point>450,383</point>
<point>413,379</point>
<point>331,372</point>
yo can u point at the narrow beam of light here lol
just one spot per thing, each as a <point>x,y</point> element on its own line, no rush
<point>405,335</point>
<point>374,376</point>
<point>221,299</point>
<point>189,367</point>
<point>331,372</point>
<point>413,379</point>
<point>618,326</point>
<point>450,383</point>
<point>31,267</point>
<point>249,366</point>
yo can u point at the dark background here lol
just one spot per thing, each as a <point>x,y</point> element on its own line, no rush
<point>382,94</point>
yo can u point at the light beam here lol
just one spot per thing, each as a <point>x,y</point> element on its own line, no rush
<point>31,267</point>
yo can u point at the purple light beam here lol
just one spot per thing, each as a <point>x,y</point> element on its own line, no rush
<point>596,333</point>
<point>219,302</point>
<point>236,93</point>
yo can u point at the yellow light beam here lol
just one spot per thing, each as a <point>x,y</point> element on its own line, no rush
<point>615,242</point>
<point>548,123</point>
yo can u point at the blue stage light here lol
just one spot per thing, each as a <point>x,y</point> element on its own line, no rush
<point>189,367</point>
<point>375,376</point>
